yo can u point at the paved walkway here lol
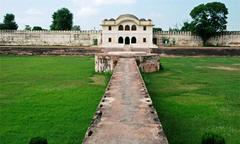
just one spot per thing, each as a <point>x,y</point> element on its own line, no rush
<point>126,115</point>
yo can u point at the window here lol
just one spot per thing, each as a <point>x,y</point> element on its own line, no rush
<point>109,39</point>
<point>127,28</point>
<point>144,40</point>
<point>133,40</point>
<point>109,28</point>
<point>144,28</point>
<point>120,28</point>
<point>134,27</point>
<point>154,40</point>
<point>120,40</point>
<point>95,41</point>
<point>127,40</point>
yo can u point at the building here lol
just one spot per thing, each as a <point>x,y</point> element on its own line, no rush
<point>127,31</point>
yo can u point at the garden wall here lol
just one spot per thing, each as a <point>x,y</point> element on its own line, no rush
<point>187,39</point>
<point>52,38</point>
<point>91,38</point>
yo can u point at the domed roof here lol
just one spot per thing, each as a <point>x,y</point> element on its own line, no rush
<point>127,15</point>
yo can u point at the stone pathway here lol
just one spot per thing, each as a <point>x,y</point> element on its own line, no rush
<point>125,114</point>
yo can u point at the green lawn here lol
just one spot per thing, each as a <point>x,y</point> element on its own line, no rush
<point>56,97</point>
<point>197,95</point>
<point>53,97</point>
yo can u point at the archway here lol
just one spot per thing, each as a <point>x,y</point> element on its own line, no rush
<point>120,40</point>
<point>133,40</point>
<point>120,28</point>
<point>134,27</point>
<point>127,40</point>
<point>127,28</point>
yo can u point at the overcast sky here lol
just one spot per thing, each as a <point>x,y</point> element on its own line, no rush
<point>89,13</point>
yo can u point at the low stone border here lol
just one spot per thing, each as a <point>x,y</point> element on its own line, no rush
<point>48,51</point>
<point>198,51</point>
<point>61,50</point>
<point>98,113</point>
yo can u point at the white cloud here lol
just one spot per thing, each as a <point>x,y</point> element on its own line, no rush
<point>112,2</point>
<point>34,11</point>
<point>90,7</point>
<point>87,11</point>
<point>96,3</point>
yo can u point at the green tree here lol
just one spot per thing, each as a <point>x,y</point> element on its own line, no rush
<point>187,26</point>
<point>37,28</point>
<point>9,23</point>
<point>209,19</point>
<point>2,26</point>
<point>157,29</point>
<point>62,20</point>
<point>174,29</point>
<point>76,28</point>
<point>27,27</point>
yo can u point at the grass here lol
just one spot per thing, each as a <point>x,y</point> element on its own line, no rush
<point>197,95</point>
<point>52,97</point>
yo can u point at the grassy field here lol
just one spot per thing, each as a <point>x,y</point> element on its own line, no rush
<point>56,97</point>
<point>53,97</point>
<point>197,95</point>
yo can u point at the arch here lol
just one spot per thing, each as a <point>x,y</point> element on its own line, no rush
<point>127,28</point>
<point>120,40</point>
<point>127,40</point>
<point>133,40</point>
<point>134,27</point>
<point>120,28</point>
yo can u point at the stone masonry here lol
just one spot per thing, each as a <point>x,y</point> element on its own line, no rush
<point>147,62</point>
<point>94,38</point>
<point>126,114</point>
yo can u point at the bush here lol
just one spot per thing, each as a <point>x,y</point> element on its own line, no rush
<point>161,67</point>
<point>38,140</point>
<point>211,138</point>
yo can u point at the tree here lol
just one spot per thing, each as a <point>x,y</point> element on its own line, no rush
<point>76,28</point>
<point>209,19</point>
<point>174,29</point>
<point>27,27</point>
<point>37,28</point>
<point>156,29</point>
<point>62,20</point>
<point>9,23</point>
<point>2,26</point>
<point>187,26</point>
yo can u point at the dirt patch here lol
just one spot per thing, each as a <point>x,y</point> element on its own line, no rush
<point>98,80</point>
<point>236,64</point>
<point>196,99</point>
<point>190,87</point>
<point>220,68</point>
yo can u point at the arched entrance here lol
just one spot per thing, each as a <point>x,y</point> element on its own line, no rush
<point>127,40</point>
<point>134,40</point>
<point>127,28</point>
<point>120,40</point>
<point>120,28</point>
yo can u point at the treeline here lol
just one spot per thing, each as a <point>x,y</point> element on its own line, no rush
<point>207,20</point>
<point>62,20</point>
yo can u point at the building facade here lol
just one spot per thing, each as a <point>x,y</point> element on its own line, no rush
<point>127,31</point>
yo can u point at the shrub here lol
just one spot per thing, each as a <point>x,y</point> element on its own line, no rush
<point>161,67</point>
<point>211,138</point>
<point>38,140</point>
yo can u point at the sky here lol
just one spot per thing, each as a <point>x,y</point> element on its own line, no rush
<point>90,13</point>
